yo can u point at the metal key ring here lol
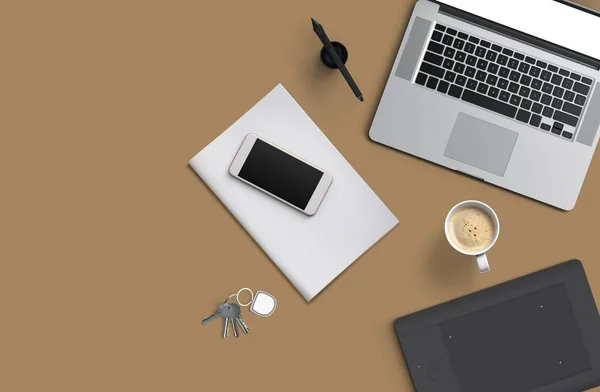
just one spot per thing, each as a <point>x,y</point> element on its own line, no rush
<point>237,296</point>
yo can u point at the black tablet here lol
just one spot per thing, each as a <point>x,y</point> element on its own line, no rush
<point>538,333</point>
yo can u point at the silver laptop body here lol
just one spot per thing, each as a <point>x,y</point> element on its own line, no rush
<point>495,103</point>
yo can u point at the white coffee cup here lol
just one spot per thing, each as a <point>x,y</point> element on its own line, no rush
<point>482,261</point>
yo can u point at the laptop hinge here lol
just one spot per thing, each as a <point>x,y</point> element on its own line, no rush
<point>520,36</point>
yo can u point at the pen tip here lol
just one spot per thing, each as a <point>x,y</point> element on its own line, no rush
<point>361,98</point>
<point>314,22</point>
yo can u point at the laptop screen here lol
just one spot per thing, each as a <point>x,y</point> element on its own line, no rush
<point>549,20</point>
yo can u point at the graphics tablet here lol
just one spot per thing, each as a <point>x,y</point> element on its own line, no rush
<point>538,333</point>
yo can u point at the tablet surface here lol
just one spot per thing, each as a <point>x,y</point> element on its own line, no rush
<point>537,333</point>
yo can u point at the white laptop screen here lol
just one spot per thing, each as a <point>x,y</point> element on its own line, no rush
<point>546,19</point>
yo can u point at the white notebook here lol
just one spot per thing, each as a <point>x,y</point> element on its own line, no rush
<point>310,250</point>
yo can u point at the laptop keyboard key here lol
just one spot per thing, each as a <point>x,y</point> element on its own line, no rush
<point>460,80</point>
<point>515,100</point>
<point>470,72</point>
<point>475,40</point>
<point>541,64</point>
<point>448,64</point>
<point>524,67</point>
<point>567,83</point>
<point>437,36</point>
<point>556,131</point>
<point>507,52</point>
<point>491,80</point>
<point>556,79</point>
<point>421,79</point>
<point>469,48</point>
<point>463,35</point>
<point>459,68</point>
<point>460,56</point>
<point>530,60</point>
<point>526,104</point>
<point>557,103</point>
<point>447,40</point>
<point>558,92</point>
<point>558,125</point>
<point>497,48</point>
<point>525,80</point>
<point>491,55</point>
<point>537,108</point>
<point>567,135</point>
<point>535,72</point>
<point>433,58</point>
<point>515,76</point>
<point>504,72</point>
<point>503,83</point>
<point>432,70</point>
<point>471,84</point>
<point>519,56</point>
<point>504,96</point>
<point>535,120</point>
<point>552,68</point>
<point>572,109</point>
<point>524,91</point>
<point>536,84</point>
<point>480,76</point>
<point>502,59</point>
<point>493,92</point>
<point>548,112</point>
<point>575,76</point>
<point>435,47</point>
<point>489,103</point>
<point>440,27</point>
<point>564,72</point>
<point>449,52</point>
<point>547,88</point>
<point>535,95</point>
<point>569,96</point>
<point>586,80</point>
<point>482,64</point>
<point>493,68</point>
<point>546,99</point>
<point>513,87</point>
<point>581,88</point>
<point>485,44</point>
<point>580,100</point>
<point>482,88</point>
<point>546,127</point>
<point>480,51</point>
<point>432,82</point>
<point>458,44</point>
<point>523,115</point>
<point>471,60</point>
<point>443,87</point>
<point>546,76</point>
<point>513,64</point>
<point>450,76</point>
<point>451,31</point>
<point>455,91</point>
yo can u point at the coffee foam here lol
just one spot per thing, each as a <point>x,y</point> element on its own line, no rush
<point>471,229</point>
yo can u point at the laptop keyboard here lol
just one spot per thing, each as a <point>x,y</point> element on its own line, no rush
<point>499,79</point>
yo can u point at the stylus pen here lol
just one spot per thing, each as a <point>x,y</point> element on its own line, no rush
<point>338,62</point>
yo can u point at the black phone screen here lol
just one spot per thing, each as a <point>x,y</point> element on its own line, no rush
<point>280,174</point>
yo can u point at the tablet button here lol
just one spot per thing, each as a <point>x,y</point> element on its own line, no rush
<point>432,374</point>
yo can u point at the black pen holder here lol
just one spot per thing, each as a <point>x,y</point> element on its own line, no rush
<point>341,51</point>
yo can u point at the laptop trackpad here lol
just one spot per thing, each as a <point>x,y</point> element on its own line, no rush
<point>481,144</point>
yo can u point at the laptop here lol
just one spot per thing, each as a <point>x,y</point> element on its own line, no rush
<point>506,91</point>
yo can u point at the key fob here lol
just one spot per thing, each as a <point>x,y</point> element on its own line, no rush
<point>263,304</point>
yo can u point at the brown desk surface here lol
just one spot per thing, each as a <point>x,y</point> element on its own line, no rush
<point>113,250</point>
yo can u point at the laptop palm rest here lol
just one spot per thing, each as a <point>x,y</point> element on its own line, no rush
<point>481,144</point>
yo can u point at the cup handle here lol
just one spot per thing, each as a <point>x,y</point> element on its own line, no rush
<point>482,263</point>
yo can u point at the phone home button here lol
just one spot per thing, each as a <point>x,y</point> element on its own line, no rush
<point>432,374</point>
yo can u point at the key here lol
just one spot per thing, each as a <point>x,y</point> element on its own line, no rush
<point>226,328</point>
<point>238,318</point>
<point>213,316</point>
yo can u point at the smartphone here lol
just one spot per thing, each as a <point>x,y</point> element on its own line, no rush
<point>281,174</point>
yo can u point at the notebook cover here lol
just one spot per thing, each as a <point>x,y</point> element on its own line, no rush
<point>310,251</point>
